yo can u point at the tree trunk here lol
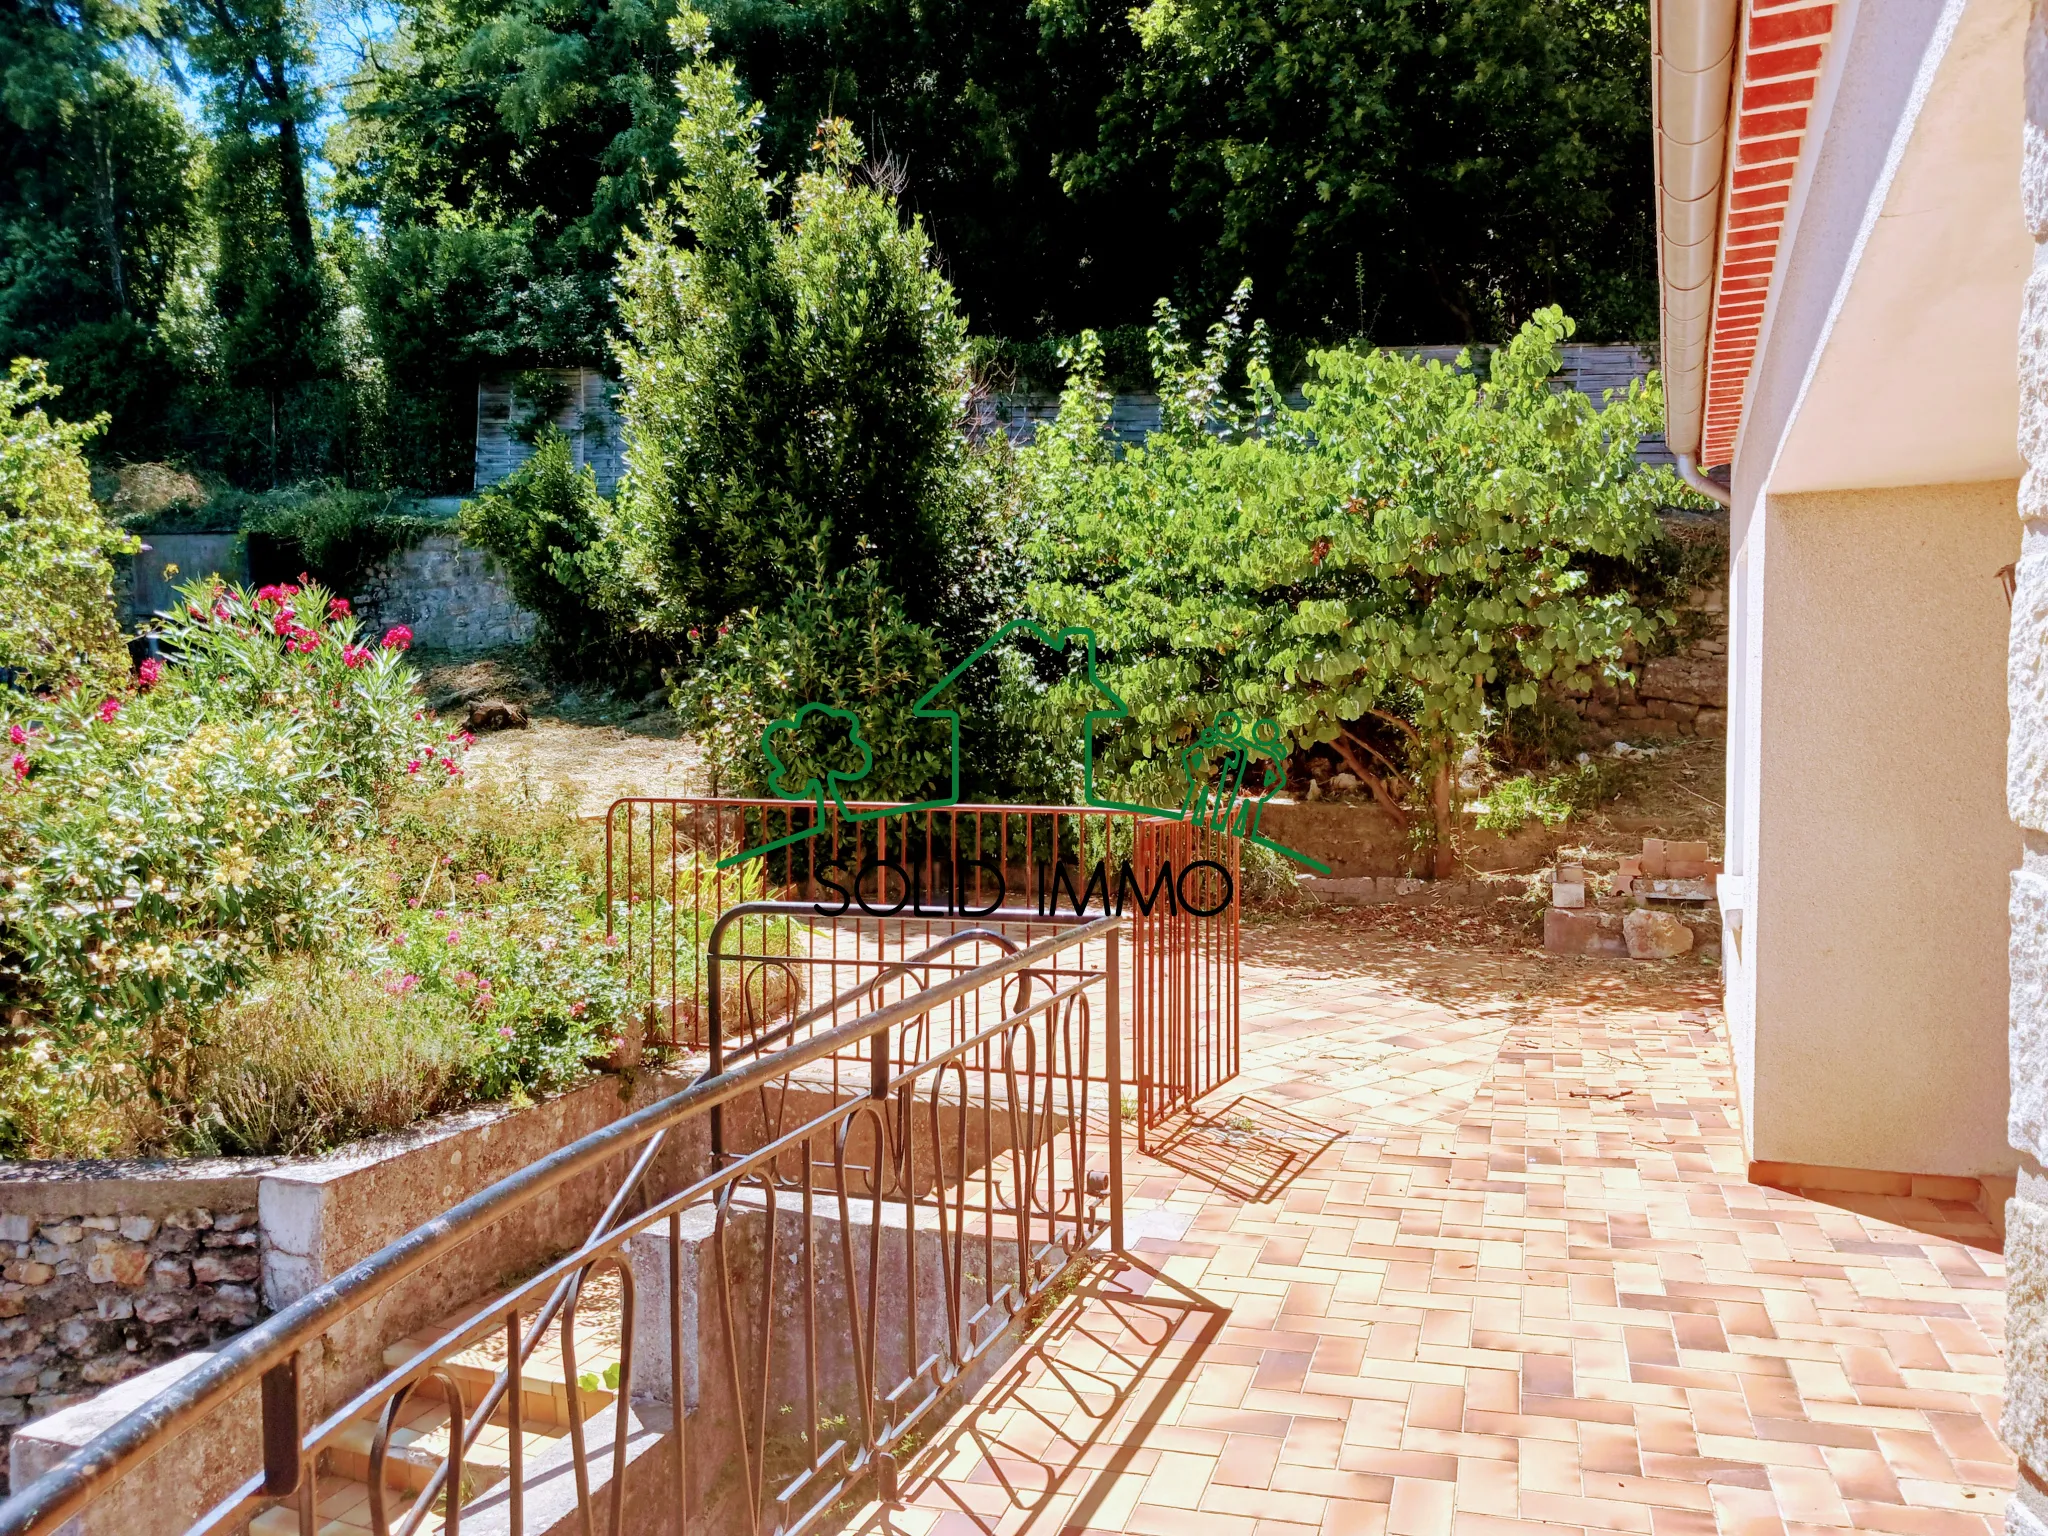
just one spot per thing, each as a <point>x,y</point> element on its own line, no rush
<point>1440,813</point>
<point>291,167</point>
<point>107,215</point>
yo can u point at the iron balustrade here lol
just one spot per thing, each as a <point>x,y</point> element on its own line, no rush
<point>666,894</point>
<point>994,1160</point>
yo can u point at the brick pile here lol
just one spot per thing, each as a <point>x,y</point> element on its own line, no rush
<point>86,1301</point>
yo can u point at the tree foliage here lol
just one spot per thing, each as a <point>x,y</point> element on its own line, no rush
<point>793,385</point>
<point>1387,569</point>
<point>56,580</point>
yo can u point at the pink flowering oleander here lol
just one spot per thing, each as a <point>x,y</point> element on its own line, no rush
<point>353,656</point>
<point>20,766</point>
<point>17,735</point>
<point>413,767</point>
<point>148,673</point>
<point>398,638</point>
<point>108,709</point>
<point>338,608</point>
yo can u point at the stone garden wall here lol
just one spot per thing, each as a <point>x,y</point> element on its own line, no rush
<point>451,596</point>
<point>90,1297</point>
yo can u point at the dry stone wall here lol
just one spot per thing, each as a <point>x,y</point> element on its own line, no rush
<point>89,1300</point>
<point>451,597</point>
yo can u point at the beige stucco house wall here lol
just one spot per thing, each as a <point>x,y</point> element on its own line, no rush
<point>1859,397</point>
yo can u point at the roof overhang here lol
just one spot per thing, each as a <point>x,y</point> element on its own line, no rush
<point>1869,250</point>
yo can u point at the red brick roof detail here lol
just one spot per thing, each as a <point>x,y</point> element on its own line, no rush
<point>1783,45</point>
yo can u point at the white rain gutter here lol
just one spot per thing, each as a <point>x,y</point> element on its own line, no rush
<point>1693,57</point>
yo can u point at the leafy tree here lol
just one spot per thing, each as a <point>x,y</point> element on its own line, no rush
<point>793,386</point>
<point>57,613</point>
<point>1389,569</point>
<point>504,146</point>
<point>269,286</point>
<point>96,209</point>
<point>1391,168</point>
<point>969,108</point>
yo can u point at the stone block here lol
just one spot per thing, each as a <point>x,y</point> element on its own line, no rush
<point>213,1268</point>
<point>2026,774</point>
<point>13,1300</point>
<point>171,1274</point>
<point>138,1229</point>
<point>2025,1427</point>
<point>1567,893</point>
<point>1685,679</point>
<point>119,1266</point>
<point>1654,935</point>
<point>16,1228</point>
<point>2027,965</point>
<point>100,1223</point>
<point>29,1272</point>
<point>160,1307</point>
<point>2034,366</point>
<point>1583,931</point>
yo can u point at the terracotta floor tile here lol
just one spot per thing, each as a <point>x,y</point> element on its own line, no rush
<point>1510,1281</point>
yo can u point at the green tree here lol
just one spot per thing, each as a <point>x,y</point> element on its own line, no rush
<point>1394,168</point>
<point>96,209</point>
<point>969,107</point>
<point>271,291</point>
<point>504,147</point>
<point>793,386</point>
<point>56,580</point>
<point>1389,569</point>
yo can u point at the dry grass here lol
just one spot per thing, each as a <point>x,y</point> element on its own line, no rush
<point>313,1057</point>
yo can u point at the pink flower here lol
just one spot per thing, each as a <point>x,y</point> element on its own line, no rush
<point>577,1010</point>
<point>411,901</point>
<point>337,608</point>
<point>440,913</point>
<point>464,978</point>
<point>482,878</point>
<point>150,670</point>
<point>397,638</point>
<point>504,1031</point>
<point>307,641</point>
<point>20,766</point>
<point>108,709</point>
<point>353,656</point>
<point>696,634</point>
<point>17,735</point>
<point>724,630</point>
<point>413,766</point>
<point>399,986</point>
<point>452,766</point>
<point>454,937</point>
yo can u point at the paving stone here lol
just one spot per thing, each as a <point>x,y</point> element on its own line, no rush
<point>1486,1262</point>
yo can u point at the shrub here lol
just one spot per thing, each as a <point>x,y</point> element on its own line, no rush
<point>1390,569</point>
<point>339,534</point>
<point>56,549</point>
<point>793,387</point>
<point>544,523</point>
<point>164,840</point>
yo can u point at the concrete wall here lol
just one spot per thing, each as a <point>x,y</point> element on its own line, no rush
<point>1867,988</point>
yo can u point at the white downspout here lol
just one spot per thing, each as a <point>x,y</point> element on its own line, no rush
<point>1690,472</point>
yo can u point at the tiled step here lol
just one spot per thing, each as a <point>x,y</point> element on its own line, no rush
<point>419,1440</point>
<point>344,1510</point>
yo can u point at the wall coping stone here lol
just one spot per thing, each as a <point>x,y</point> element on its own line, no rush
<point>131,1186</point>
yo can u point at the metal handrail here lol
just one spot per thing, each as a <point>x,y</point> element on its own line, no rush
<point>268,1352</point>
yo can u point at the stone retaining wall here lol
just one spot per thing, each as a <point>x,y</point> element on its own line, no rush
<point>451,597</point>
<point>90,1299</point>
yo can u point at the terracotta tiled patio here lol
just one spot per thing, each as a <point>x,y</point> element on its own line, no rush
<point>1468,1247</point>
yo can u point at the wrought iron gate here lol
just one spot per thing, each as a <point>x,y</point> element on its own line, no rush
<point>918,876</point>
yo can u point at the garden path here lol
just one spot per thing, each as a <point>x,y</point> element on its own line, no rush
<point>1468,1248</point>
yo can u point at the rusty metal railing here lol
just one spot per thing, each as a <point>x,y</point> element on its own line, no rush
<point>903,882</point>
<point>824,1288</point>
